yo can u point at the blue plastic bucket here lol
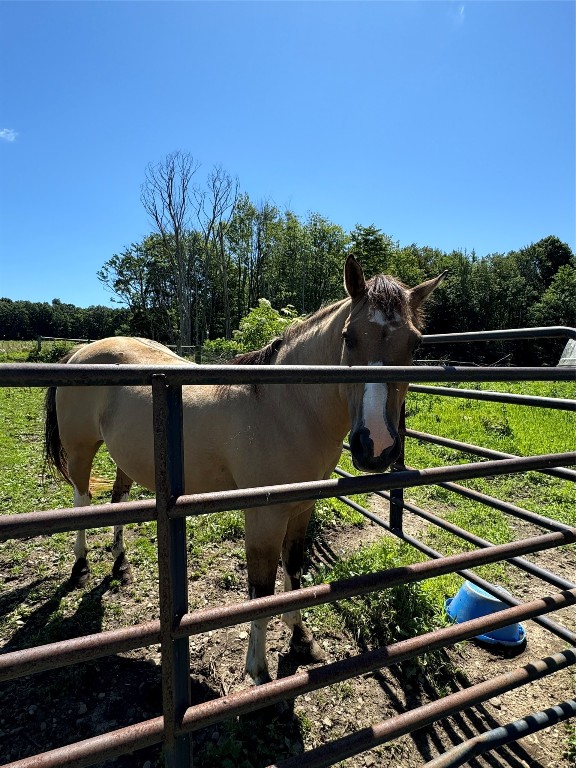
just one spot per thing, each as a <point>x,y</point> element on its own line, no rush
<point>471,602</point>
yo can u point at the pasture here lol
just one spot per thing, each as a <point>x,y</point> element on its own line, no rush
<point>37,605</point>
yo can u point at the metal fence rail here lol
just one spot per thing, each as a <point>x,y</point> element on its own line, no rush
<point>55,374</point>
<point>407,722</point>
<point>171,508</point>
<point>557,403</point>
<point>497,737</point>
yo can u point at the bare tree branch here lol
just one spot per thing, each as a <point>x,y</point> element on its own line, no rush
<point>167,195</point>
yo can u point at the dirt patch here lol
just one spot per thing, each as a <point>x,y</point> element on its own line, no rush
<point>64,706</point>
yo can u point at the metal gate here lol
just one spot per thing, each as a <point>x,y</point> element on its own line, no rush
<point>177,625</point>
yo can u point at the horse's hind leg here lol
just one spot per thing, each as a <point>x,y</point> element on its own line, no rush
<point>302,641</point>
<point>79,466</point>
<point>120,492</point>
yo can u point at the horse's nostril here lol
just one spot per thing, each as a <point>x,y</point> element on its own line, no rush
<point>390,455</point>
<point>361,444</point>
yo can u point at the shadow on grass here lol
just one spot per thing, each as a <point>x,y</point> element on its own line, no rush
<point>45,624</point>
<point>11,600</point>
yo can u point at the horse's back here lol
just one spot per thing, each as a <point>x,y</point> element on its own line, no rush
<point>119,416</point>
<point>126,350</point>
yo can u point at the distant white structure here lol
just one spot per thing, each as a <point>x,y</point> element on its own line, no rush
<point>569,354</point>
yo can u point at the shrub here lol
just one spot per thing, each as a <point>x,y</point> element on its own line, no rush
<point>50,353</point>
<point>262,324</point>
<point>220,350</point>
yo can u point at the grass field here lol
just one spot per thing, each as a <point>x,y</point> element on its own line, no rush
<point>507,428</point>
<point>513,429</point>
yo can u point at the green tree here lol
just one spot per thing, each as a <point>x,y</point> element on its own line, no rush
<point>322,268</point>
<point>141,278</point>
<point>372,249</point>
<point>288,266</point>
<point>251,236</point>
<point>547,256</point>
<point>558,303</point>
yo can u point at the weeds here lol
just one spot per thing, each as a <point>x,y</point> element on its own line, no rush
<point>247,743</point>
<point>389,615</point>
<point>571,748</point>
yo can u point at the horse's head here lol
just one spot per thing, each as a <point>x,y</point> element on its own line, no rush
<point>381,329</point>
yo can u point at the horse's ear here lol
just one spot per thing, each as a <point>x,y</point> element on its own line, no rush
<point>354,281</point>
<point>420,293</point>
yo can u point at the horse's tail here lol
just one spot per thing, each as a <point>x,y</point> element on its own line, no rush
<point>54,453</point>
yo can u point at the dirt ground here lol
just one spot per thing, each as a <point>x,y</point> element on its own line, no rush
<point>60,707</point>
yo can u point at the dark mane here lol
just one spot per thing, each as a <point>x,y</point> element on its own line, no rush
<point>259,356</point>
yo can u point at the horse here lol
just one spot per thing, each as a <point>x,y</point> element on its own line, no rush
<point>241,436</point>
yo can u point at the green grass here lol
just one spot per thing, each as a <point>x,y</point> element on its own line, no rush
<point>508,428</point>
<point>25,351</point>
<point>16,351</point>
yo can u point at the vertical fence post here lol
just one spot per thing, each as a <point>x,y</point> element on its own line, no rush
<point>397,494</point>
<point>172,570</point>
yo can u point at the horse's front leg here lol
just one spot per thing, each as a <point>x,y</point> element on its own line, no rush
<point>302,642</point>
<point>120,492</point>
<point>265,530</point>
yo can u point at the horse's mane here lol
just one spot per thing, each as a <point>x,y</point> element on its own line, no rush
<point>264,356</point>
<point>259,356</point>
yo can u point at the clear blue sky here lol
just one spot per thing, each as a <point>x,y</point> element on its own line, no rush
<point>448,124</point>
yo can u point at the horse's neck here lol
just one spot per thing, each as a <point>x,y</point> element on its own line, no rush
<point>316,341</point>
<point>319,342</point>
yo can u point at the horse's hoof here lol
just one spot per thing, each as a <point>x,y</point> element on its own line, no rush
<point>122,571</point>
<point>308,651</point>
<point>257,676</point>
<point>80,573</point>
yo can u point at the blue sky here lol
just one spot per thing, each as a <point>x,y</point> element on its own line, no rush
<point>448,124</point>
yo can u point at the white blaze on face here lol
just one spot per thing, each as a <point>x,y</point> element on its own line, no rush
<point>377,316</point>
<point>374,415</point>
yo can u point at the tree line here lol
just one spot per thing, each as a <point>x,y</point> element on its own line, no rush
<point>26,320</point>
<point>213,253</point>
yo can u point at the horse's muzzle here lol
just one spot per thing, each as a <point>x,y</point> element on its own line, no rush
<point>362,450</point>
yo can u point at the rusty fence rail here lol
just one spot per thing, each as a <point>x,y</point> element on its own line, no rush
<point>176,624</point>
